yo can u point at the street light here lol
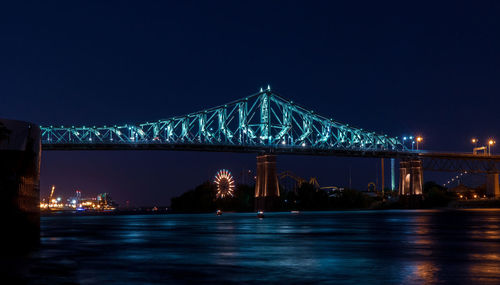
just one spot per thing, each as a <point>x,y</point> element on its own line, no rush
<point>419,140</point>
<point>474,141</point>
<point>491,142</point>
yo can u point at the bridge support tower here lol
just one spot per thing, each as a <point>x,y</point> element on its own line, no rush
<point>411,178</point>
<point>266,187</point>
<point>492,185</point>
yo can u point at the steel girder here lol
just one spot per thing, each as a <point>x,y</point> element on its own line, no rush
<point>262,121</point>
<point>479,164</point>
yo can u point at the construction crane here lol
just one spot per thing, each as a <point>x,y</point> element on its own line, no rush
<point>52,193</point>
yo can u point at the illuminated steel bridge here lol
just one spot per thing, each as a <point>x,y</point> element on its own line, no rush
<point>262,122</point>
<point>268,124</point>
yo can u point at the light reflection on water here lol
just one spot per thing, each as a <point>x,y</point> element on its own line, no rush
<point>365,247</point>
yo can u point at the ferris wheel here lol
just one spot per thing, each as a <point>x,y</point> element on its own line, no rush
<point>225,184</point>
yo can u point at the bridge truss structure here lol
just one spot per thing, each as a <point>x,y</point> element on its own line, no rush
<point>460,162</point>
<point>262,122</point>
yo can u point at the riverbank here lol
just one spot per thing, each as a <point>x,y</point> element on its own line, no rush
<point>454,205</point>
<point>144,211</point>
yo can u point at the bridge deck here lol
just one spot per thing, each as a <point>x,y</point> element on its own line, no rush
<point>233,148</point>
<point>458,155</point>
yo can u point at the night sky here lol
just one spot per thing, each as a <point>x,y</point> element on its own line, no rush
<point>397,68</point>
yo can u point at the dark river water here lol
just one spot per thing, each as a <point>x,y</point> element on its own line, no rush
<point>358,247</point>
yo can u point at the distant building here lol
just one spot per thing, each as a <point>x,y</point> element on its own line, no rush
<point>465,192</point>
<point>102,202</point>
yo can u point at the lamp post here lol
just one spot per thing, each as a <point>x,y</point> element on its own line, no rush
<point>491,142</point>
<point>419,139</point>
<point>474,141</point>
<point>404,140</point>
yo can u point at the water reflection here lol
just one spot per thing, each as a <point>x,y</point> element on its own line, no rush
<point>368,247</point>
<point>484,267</point>
<point>421,269</point>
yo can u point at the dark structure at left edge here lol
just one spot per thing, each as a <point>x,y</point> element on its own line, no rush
<point>20,150</point>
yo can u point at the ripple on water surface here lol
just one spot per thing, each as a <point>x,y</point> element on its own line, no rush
<point>358,247</point>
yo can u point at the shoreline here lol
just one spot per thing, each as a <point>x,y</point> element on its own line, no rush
<point>125,213</point>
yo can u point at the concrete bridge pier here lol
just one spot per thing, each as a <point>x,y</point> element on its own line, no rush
<point>492,185</point>
<point>411,179</point>
<point>20,150</point>
<point>266,187</point>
